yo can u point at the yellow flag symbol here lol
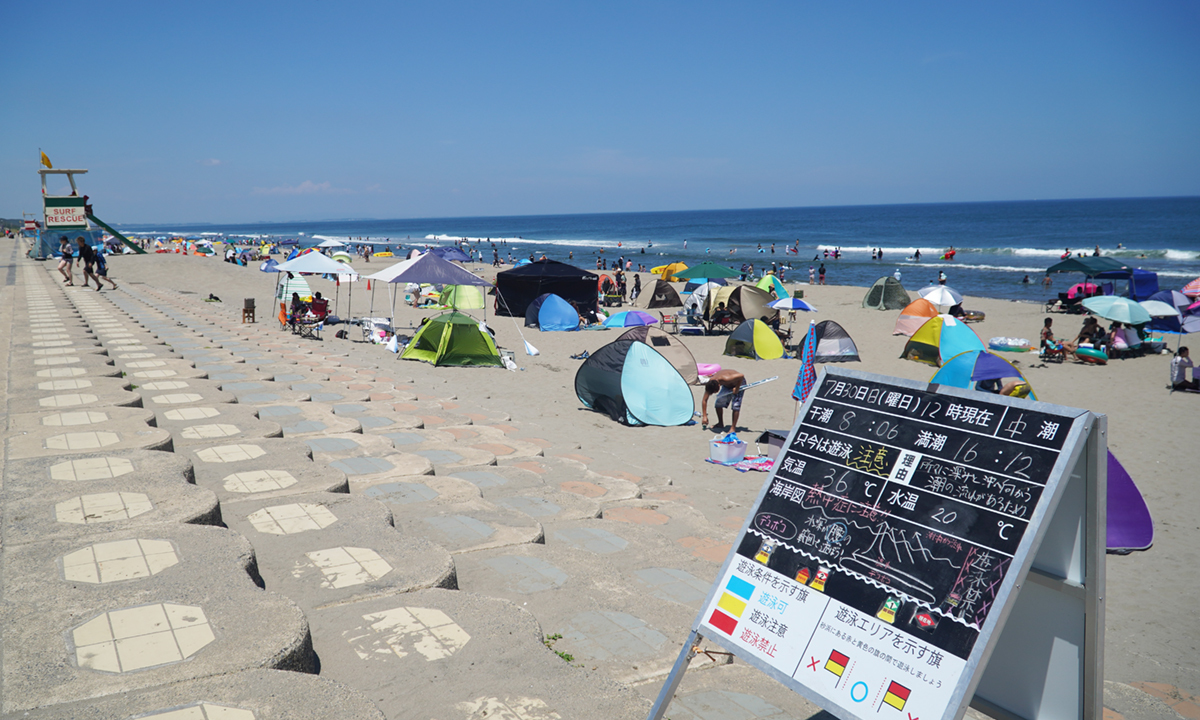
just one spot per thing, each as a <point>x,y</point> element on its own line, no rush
<point>46,161</point>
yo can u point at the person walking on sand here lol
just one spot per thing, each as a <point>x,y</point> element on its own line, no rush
<point>727,386</point>
<point>67,259</point>
<point>87,258</point>
<point>102,269</point>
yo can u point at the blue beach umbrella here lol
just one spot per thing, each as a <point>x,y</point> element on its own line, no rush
<point>790,303</point>
<point>1117,308</point>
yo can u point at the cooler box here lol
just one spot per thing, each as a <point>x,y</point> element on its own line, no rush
<point>724,452</point>
<point>774,440</point>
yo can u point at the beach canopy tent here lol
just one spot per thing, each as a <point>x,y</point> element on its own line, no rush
<point>427,268</point>
<point>289,285</point>
<point>886,294</point>
<point>1134,283</point>
<point>746,302</point>
<point>754,340</point>
<point>914,316</point>
<point>658,295</point>
<point>772,285</point>
<point>550,313</point>
<point>697,302</point>
<point>1090,266</point>
<point>694,283</point>
<point>332,243</point>
<point>314,263</point>
<point>630,318</point>
<point>451,253</point>
<point>667,272</point>
<point>940,339</point>
<point>634,384</point>
<point>462,297</point>
<point>1129,524</point>
<point>517,288</point>
<point>453,339</point>
<point>834,344</point>
<point>670,347</point>
<point>707,270</point>
<point>966,370</point>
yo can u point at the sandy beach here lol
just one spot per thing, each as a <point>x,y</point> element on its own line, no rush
<point>1152,628</point>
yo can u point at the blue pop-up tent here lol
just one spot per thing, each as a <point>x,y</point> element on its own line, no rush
<point>550,313</point>
<point>633,384</point>
<point>973,366</point>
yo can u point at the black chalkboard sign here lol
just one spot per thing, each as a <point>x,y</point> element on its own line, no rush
<point>886,540</point>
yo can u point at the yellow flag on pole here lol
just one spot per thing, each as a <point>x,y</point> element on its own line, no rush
<point>46,161</point>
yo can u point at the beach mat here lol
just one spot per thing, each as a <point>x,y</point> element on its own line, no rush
<point>1130,526</point>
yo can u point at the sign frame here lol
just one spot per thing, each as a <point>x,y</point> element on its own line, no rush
<point>1077,577</point>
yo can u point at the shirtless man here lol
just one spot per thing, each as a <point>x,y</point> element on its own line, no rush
<point>726,385</point>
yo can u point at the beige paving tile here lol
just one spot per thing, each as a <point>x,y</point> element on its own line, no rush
<point>165,384</point>
<point>91,469</point>
<point>230,453</point>
<point>102,507</point>
<point>403,630</point>
<point>119,560</point>
<point>219,430</point>
<point>291,519</point>
<point>61,372</point>
<point>57,361</point>
<point>146,364</point>
<point>348,566</point>
<point>64,385</point>
<point>82,440</point>
<point>68,400</point>
<point>176,398</point>
<point>154,373</point>
<point>256,481</point>
<point>85,417</point>
<point>192,413</point>
<point>203,711</point>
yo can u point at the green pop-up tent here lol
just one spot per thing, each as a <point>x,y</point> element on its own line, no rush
<point>453,339</point>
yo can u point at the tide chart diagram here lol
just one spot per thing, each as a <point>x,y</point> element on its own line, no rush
<point>884,540</point>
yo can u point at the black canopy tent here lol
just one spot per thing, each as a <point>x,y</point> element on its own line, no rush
<point>1090,265</point>
<point>518,287</point>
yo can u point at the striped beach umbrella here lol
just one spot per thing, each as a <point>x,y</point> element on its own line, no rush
<point>1192,289</point>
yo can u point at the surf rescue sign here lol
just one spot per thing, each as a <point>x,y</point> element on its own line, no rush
<point>65,213</point>
<point>886,547</point>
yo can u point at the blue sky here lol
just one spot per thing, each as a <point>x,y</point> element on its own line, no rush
<point>243,112</point>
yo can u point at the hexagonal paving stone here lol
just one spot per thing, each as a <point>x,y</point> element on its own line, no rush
<point>291,518</point>
<point>594,540</point>
<point>101,468</point>
<point>348,566</point>
<point>102,507</point>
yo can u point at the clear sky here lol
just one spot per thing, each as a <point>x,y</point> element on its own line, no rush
<point>272,111</point>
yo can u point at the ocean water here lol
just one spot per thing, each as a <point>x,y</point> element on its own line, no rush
<point>997,243</point>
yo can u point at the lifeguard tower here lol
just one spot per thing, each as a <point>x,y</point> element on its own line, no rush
<point>69,216</point>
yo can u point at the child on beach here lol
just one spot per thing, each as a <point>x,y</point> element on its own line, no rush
<point>67,259</point>
<point>1179,368</point>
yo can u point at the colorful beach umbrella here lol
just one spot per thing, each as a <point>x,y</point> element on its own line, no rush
<point>1192,289</point>
<point>667,272</point>
<point>1117,309</point>
<point>790,303</point>
<point>807,377</point>
<point>630,318</point>
<point>941,295</point>
<point>940,339</point>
